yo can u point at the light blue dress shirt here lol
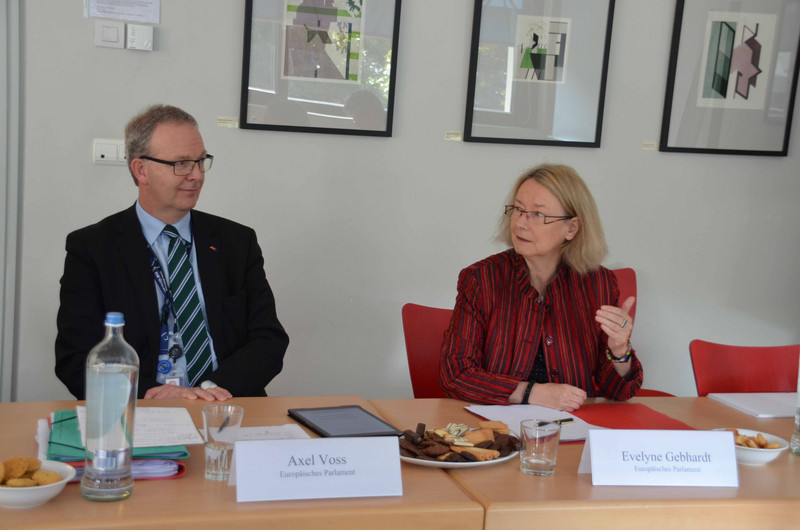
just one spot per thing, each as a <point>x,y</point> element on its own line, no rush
<point>153,229</point>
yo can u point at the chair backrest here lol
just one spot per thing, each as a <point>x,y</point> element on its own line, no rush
<point>424,329</point>
<point>626,280</point>
<point>723,368</point>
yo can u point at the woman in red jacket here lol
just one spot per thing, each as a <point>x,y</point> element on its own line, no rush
<point>541,323</point>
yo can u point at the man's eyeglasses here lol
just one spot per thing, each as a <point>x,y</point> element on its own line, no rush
<point>533,215</point>
<point>182,168</point>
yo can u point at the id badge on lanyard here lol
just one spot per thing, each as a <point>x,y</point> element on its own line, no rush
<point>170,350</point>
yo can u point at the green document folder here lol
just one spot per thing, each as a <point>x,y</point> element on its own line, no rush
<point>65,442</point>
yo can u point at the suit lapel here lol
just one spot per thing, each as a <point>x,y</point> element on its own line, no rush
<point>136,259</point>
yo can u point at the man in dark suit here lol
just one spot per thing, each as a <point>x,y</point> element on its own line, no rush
<point>114,266</point>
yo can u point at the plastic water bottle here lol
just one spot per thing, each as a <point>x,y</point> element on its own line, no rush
<point>112,378</point>
<point>795,443</point>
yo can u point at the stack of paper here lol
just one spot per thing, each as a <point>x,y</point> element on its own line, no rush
<point>761,404</point>
<point>66,444</point>
<point>145,469</point>
<point>513,415</point>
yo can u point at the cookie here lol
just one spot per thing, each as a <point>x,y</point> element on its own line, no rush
<point>45,476</point>
<point>409,446</point>
<point>481,455</point>
<point>34,464</point>
<point>20,483</point>
<point>16,466</point>
<point>497,426</point>
<point>436,450</point>
<point>481,435</point>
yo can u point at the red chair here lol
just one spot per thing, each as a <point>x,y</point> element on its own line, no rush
<point>719,368</point>
<point>424,329</point>
<point>626,280</point>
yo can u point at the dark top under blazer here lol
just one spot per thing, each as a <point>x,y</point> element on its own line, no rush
<point>107,268</point>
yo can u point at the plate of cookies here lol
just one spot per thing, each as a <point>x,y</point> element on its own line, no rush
<point>27,482</point>
<point>457,445</point>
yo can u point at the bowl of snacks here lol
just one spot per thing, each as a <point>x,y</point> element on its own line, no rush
<point>755,448</point>
<point>29,482</point>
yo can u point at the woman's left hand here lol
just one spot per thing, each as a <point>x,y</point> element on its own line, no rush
<point>617,324</point>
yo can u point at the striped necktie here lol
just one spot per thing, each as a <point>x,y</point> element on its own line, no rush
<point>191,322</point>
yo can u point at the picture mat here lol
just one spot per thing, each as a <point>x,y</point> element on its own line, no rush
<point>557,112</point>
<point>693,127</point>
<point>362,104</point>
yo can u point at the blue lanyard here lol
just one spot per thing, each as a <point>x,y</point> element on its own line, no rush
<point>161,281</point>
<point>169,302</point>
<point>163,284</point>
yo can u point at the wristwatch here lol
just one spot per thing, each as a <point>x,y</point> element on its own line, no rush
<point>527,393</point>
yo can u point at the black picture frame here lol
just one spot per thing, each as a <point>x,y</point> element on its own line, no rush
<point>334,74</point>
<point>732,77</point>
<point>552,57</point>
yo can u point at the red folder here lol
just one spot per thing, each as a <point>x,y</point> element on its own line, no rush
<point>627,416</point>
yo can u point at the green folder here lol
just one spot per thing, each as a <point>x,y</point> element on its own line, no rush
<point>65,442</point>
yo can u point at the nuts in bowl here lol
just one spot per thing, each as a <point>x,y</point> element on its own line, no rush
<point>29,482</point>
<point>754,448</point>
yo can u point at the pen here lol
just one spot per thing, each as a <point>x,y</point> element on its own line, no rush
<point>224,423</point>
<point>562,421</point>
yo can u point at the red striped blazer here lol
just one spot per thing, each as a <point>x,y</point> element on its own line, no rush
<point>500,319</point>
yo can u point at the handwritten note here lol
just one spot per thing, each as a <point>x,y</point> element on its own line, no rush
<point>156,426</point>
<point>290,431</point>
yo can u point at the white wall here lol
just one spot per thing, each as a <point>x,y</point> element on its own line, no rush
<point>354,227</point>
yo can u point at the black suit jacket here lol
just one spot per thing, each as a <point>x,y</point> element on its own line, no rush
<point>107,268</point>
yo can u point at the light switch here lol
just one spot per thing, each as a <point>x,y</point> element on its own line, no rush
<point>109,152</point>
<point>109,33</point>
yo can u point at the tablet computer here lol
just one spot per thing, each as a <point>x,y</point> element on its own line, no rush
<point>346,420</point>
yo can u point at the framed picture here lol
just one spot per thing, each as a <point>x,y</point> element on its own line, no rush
<point>732,77</point>
<point>537,72</point>
<point>325,66</point>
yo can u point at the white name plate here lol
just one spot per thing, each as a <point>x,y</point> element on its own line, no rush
<point>319,468</point>
<point>662,458</point>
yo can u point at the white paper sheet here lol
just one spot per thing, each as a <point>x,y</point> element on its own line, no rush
<point>512,415</point>
<point>147,11</point>
<point>761,404</point>
<point>42,437</point>
<point>290,431</point>
<point>156,426</point>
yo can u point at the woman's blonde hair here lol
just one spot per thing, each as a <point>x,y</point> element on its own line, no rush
<point>586,251</point>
